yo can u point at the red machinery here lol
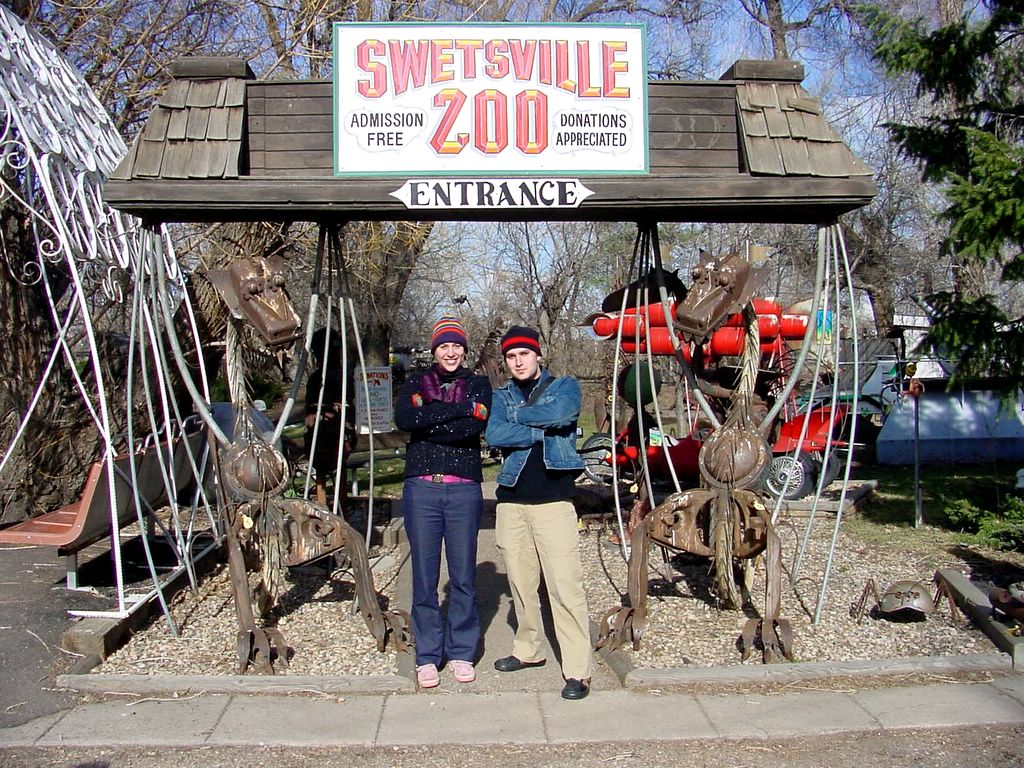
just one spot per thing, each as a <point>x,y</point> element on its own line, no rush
<point>788,474</point>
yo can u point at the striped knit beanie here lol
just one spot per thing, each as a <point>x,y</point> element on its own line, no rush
<point>520,336</point>
<point>447,329</point>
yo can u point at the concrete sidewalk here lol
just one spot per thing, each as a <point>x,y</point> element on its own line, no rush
<point>517,717</point>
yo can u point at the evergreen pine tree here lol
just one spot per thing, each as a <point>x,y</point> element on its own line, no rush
<point>970,145</point>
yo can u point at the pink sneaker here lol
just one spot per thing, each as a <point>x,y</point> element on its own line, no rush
<point>427,677</point>
<point>463,671</point>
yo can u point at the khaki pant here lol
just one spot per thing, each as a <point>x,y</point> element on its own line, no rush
<point>543,538</point>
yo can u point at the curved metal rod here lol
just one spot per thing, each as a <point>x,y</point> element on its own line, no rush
<point>691,379</point>
<point>201,405</point>
<point>340,447</point>
<point>808,527</point>
<point>197,473</point>
<point>369,418</point>
<point>836,356</point>
<point>819,607</point>
<point>819,287</point>
<point>805,345</point>
<point>643,268</point>
<point>657,405</point>
<point>133,468</point>
<point>320,399</point>
<point>300,370</point>
<point>617,359</point>
<point>171,416</point>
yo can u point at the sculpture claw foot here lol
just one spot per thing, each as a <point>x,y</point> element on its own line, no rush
<point>398,627</point>
<point>774,638</point>
<point>618,626</point>
<point>263,647</point>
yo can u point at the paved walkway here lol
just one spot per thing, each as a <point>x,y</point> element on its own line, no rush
<point>522,708</point>
<point>517,717</point>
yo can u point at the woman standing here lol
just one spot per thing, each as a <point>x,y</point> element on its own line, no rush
<point>444,410</point>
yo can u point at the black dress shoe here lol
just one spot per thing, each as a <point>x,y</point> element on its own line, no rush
<point>575,689</point>
<point>512,664</point>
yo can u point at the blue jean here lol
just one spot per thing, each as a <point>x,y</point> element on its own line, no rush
<point>449,513</point>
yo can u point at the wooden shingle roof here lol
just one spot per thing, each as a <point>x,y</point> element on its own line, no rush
<point>753,147</point>
<point>785,134</point>
<point>196,129</point>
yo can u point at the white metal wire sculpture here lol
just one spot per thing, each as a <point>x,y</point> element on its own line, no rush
<point>57,146</point>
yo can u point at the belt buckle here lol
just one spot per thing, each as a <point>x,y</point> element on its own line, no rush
<point>437,478</point>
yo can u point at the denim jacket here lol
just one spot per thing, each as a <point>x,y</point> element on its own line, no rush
<point>515,427</point>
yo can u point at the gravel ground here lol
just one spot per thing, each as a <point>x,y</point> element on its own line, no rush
<point>316,619</point>
<point>685,626</point>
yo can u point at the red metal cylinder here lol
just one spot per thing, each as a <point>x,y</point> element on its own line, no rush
<point>793,326</point>
<point>660,344</point>
<point>767,325</point>
<point>656,311</point>
<point>728,342</point>
<point>607,326</point>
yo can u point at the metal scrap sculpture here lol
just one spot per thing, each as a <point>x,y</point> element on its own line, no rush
<point>277,532</point>
<point>727,519</point>
<point>57,146</point>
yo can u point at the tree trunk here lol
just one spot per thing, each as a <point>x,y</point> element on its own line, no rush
<point>377,261</point>
<point>777,28</point>
<point>47,467</point>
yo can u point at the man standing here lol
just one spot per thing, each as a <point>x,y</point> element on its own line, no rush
<point>533,422</point>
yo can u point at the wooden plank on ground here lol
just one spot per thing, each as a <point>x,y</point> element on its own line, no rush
<point>977,605</point>
<point>857,492</point>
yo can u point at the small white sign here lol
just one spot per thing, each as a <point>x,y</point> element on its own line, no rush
<point>492,193</point>
<point>379,408</point>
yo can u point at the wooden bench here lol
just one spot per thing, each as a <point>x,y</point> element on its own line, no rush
<point>74,527</point>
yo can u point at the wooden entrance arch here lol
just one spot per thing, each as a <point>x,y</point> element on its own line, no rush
<point>750,147</point>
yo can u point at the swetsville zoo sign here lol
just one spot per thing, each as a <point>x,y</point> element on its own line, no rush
<point>519,108</point>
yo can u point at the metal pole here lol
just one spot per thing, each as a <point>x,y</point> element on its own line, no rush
<point>918,518</point>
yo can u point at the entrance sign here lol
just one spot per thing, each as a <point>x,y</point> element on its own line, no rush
<point>489,99</point>
<point>378,380</point>
<point>492,193</point>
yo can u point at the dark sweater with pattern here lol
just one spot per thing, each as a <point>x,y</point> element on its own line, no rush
<point>444,438</point>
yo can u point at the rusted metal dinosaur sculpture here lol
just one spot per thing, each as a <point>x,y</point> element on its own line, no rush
<point>266,532</point>
<point>726,519</point>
